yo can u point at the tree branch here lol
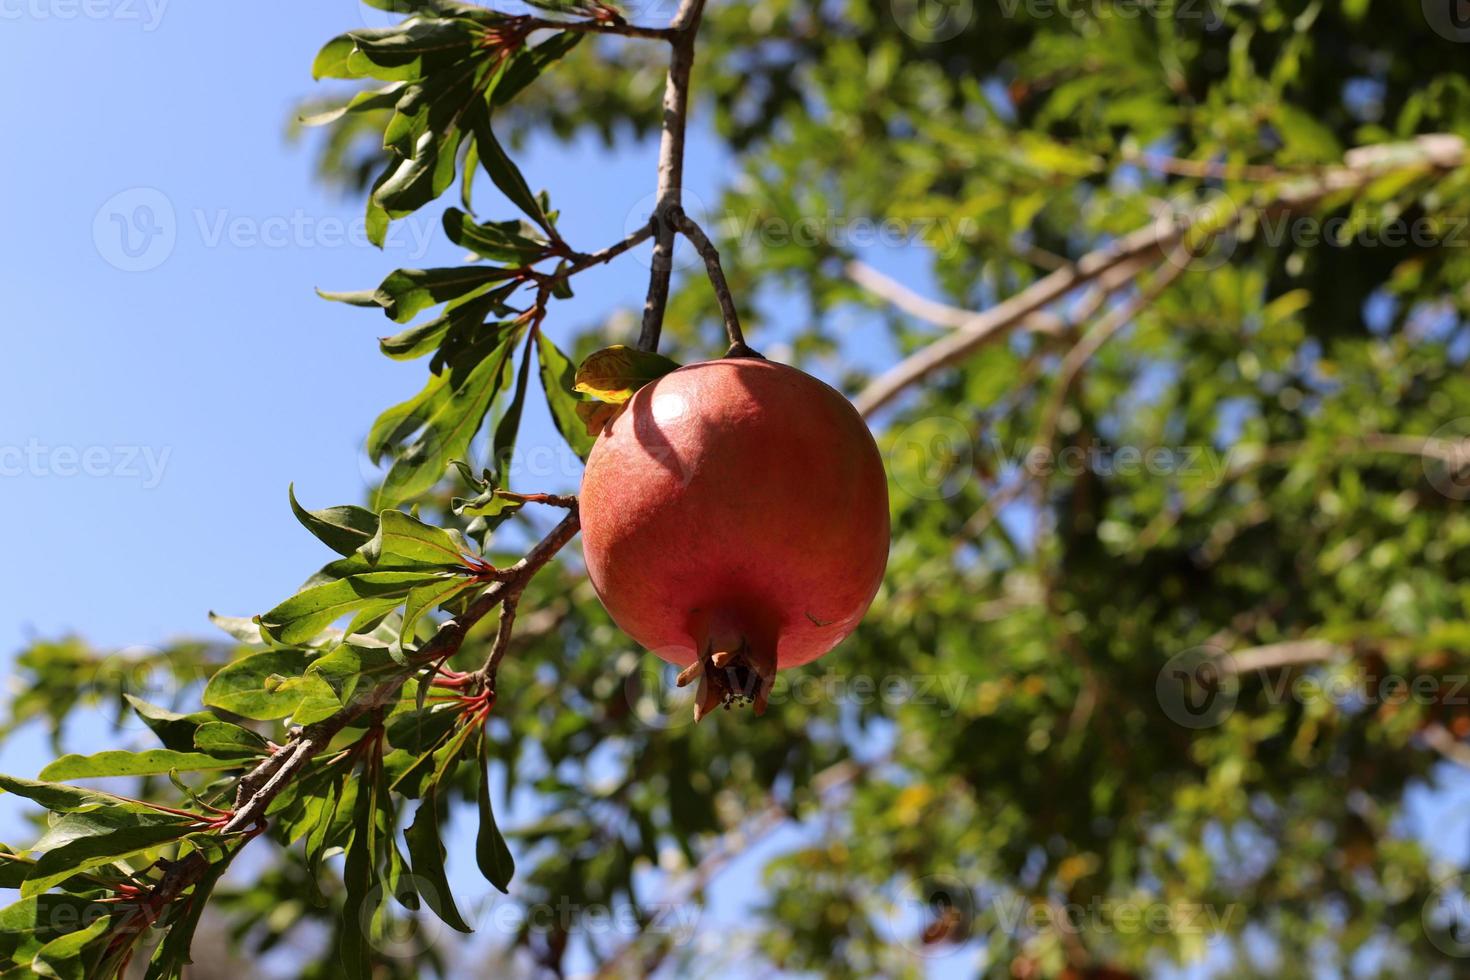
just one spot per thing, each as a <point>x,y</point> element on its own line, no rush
<point>1090,344</point>
<point>690,229</point>
<point>262,784</point>
<point>932,311</point>
<point>670,168</point>
<point>1438,152</point>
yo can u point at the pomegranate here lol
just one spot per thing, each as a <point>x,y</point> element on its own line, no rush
<point>735,522</point>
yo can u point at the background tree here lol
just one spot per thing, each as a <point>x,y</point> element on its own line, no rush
<point>1177,464</point>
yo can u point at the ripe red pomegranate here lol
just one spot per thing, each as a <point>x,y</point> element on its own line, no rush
<point>735,522</point>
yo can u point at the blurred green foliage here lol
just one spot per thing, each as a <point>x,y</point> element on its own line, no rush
<point>1009,762</point>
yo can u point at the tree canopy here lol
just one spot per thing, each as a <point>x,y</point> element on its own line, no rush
<point>1175,617</point>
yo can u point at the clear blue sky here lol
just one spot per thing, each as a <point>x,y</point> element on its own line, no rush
<point>151,420</point>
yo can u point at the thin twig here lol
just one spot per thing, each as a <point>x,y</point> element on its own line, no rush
<point>670,168</point>
<point>503,630</point>
<point>583,262</point>
<point>690,229</point>
<point>549,499</point>
<point>618,27</point>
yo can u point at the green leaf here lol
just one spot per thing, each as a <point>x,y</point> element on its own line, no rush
<point>331,60</point>
<point>489,503</point>
<point>450,411</point>
<point>504,173</point>
<point>61,863</point>
<point>225,739</point>
<point>343,529</point>
<point>403,541</point>
<point>28,925</point>
<point>558,380</point>
<point>73,956</point>
<point>67,827</point>
<point>120,762</point>
<point>422,176</point>
<point>345,667</point>
<point>242,628</point>
<point>383,98</point>
<point>406,43</point>
<point>307,613</point>
<point>426,855</point>
<point>357,877</point>
<point>528,65</point>
<point>451,329</point>
<point>614,373</point>
<point>61,798</point>
<point>509,425</point>
<point>427,597</point>
<point>253,687</point>
<point>491,852</point>
<point>13,869</point>
<point>174,730</point>
<point>497,241</point>
<point>407,291</point>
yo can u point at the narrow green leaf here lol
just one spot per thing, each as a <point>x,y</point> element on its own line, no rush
<point>426,855</point>
<point>509,425</point>
<point>559,379</point>
<point>331,60</point>
<point>67,827</point>
<point>343,529</point>
<point>57,865</point>
<point>427,597</point>
<point>360,297</point>
<point>119,762</point>
<point>307,613</point>
<point>407,291</point>
<point>491,852</point>
<point>383,98</point>
<point>242,628</point>
<point>357,877</point>
<point>528,65</point>
<point>452,416</point>
<point>504,173</point>
<point>496,241</point>
<point>61,798</point>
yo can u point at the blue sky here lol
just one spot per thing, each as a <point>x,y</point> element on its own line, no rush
<point>168,368</point>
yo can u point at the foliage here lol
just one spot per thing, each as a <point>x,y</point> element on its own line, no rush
<point>1005,740</point>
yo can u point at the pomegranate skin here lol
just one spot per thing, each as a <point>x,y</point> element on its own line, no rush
<point>737,503</point>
